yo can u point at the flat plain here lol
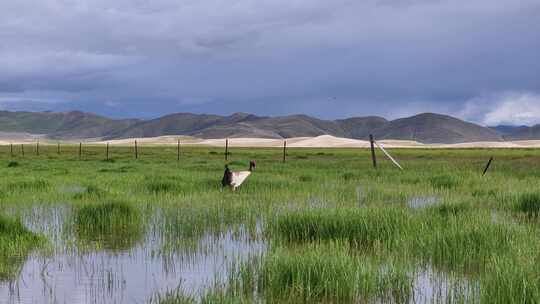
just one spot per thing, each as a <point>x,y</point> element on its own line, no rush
<point>324,226</point>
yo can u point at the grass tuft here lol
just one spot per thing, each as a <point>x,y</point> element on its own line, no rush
<point>349,176</point>
<point>361,227</point>
<point>161,185</point>
<point>329,273</point>
<point>509,282</point>
<point>529,204</point>
<point>28,185</point>
<point>448,209</point>
<point>442,182</point>
<point>16,242</point>
<point>114,226</point>
<point>12,164</point>
<point>305,178</point>
<point>317,273</point>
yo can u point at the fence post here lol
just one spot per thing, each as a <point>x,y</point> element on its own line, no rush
<point>178,151</point>
<point>487,166</point>
<point>136,151</point>
<point>373,156</point>
<point>11,149</point>
<point>58,148</point>
<point>22,150</point>
<point>80,150</point>
<point>284,149</point>
<point>107,153</point>
<point>226,149</point>
<point>37,148</point>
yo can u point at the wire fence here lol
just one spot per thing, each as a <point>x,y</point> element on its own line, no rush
<point>108,151</point>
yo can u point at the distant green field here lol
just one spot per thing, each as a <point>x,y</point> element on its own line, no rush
<point>334,228</point>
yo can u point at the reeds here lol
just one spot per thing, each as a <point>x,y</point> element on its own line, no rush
<point>316,272</point>
<point>16,242</point>
<point>361,227</point>
<point>329,272</point>
<point>113,226</point>
<point>445,235</point>
<point>509,281</point>
<point>529,204</point>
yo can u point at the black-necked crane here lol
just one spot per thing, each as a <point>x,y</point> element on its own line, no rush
<point>235,179</point>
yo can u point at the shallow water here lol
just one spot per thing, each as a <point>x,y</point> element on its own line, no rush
<point>417,202</point>
<point>431,286</point>
<point>72,189</point>
<point>130,276</point>
<point>136,275</point>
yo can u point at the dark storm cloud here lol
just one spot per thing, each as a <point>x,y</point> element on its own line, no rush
<point>474,59</point>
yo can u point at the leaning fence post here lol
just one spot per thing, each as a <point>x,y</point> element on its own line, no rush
<point>388,155</point>
<point>487,166</point>
<point>373,156</point>
<point>284,150</point>
<point>226,149</point>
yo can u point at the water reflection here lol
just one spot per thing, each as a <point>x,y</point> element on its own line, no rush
<point>431,286</point>
<point>111,226</point>
<point>149,267</point>
<point>129,276</point>
<point>422,201</point>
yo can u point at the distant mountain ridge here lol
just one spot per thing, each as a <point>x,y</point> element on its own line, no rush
<point>425,128</point>
<point>519,132</point>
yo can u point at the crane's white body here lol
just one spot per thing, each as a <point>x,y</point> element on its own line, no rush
<point>237,178</point>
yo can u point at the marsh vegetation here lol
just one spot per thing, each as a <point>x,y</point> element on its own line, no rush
<point>322,227</point>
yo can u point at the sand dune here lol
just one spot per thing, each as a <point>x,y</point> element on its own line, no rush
<point>160,140</point>
<point>323,141</point>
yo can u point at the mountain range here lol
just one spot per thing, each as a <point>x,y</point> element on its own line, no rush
<point>425,128</point>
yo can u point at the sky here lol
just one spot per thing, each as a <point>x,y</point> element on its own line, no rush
<point>478,60</point>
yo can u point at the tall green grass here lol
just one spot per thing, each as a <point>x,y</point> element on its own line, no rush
<point>113,226</point>
<point>466,242</point>
<point>474,230</point>
<point>362,227</point>
<point>213,296</point>
<point>329,272</point>
<point>16,242</point>
<point>529,204</point>
<point>509,281</point>
<point>449,235</point>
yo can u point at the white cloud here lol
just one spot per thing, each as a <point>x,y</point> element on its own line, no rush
<point>515,109</point>
<point>509,108</point>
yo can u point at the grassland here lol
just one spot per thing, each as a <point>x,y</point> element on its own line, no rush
<point>337,230</point>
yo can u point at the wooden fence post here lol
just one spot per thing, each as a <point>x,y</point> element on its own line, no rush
<point>284,150</point>
<point>373,156</point>
<point>226,149</point>
<point>11,149</point>
<point>136,151</point>
<point>107,153</point>
<point>487,166</point>
<point>22,150</point>
<point>37,148</point>
<point>58,148</point>
<point>178,151</point>
<point>80,150</point>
